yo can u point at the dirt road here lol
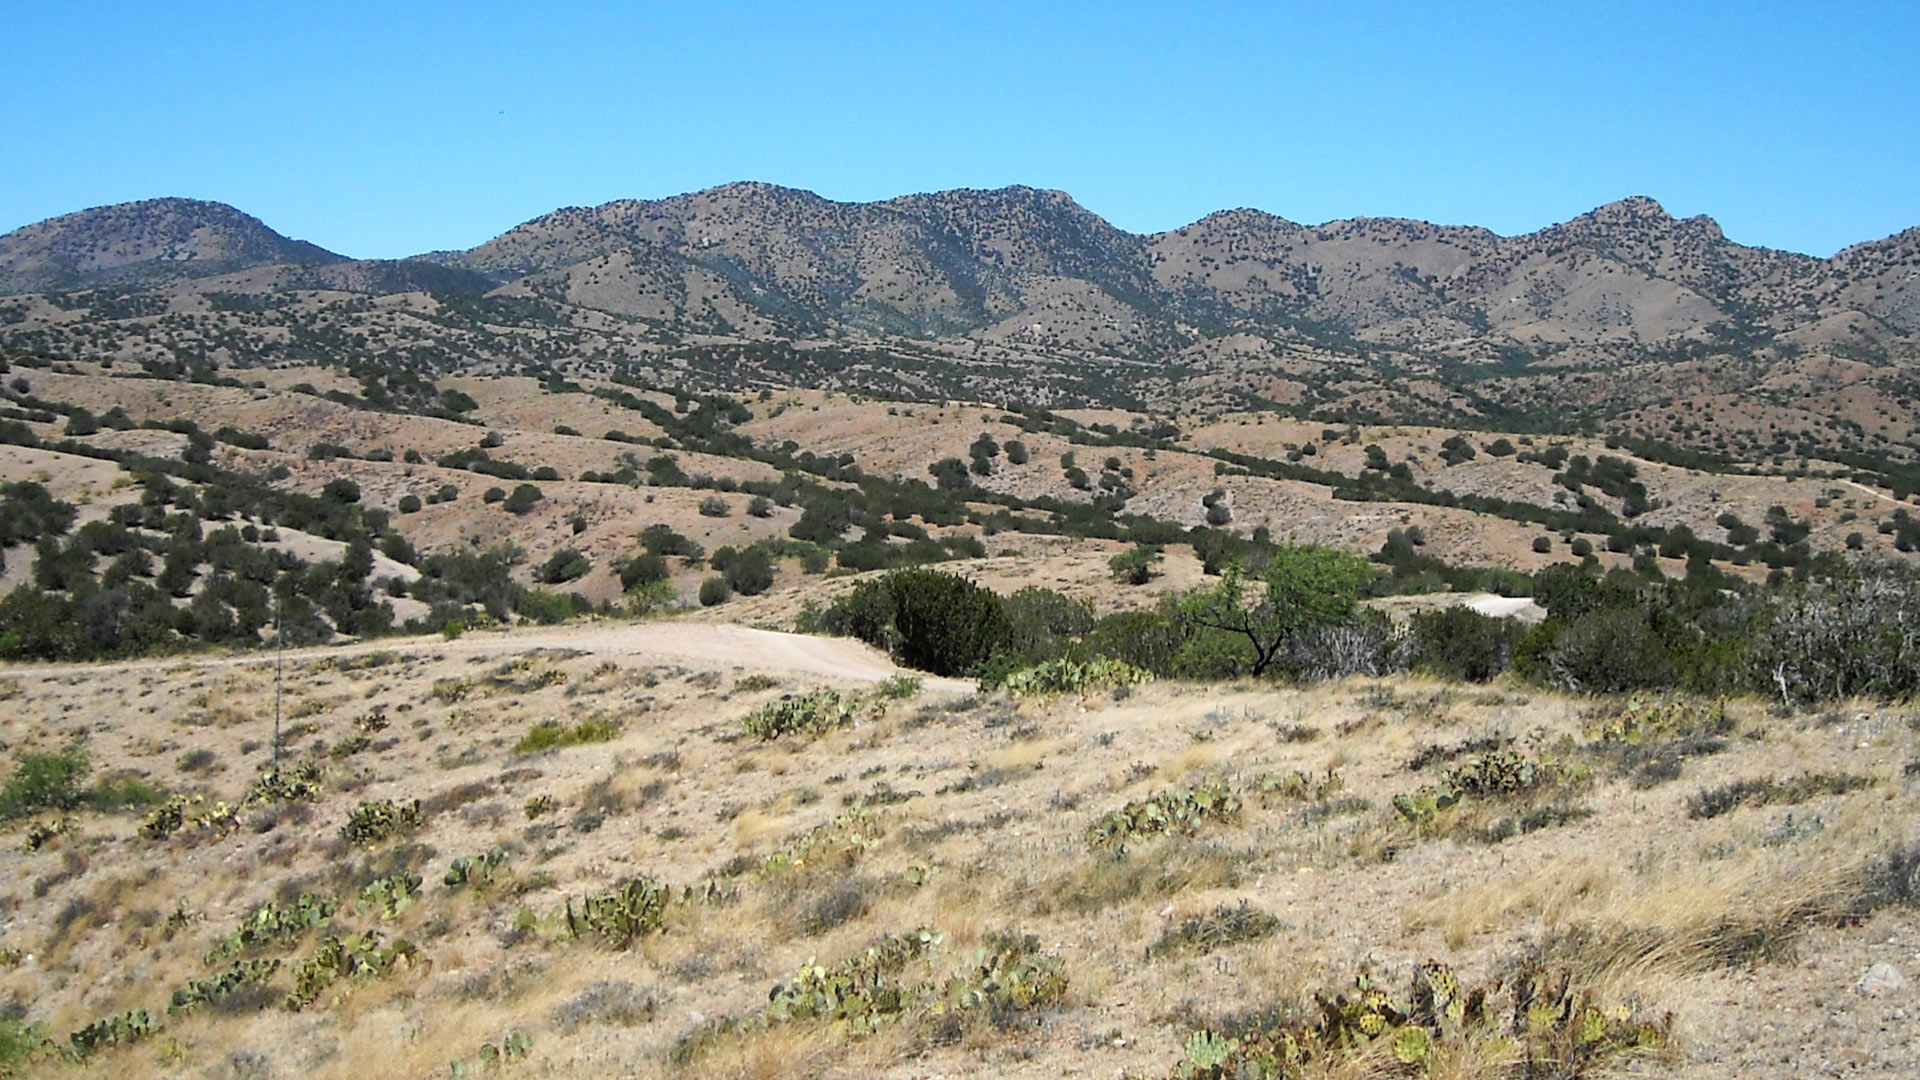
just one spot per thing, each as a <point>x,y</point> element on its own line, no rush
<point>670,641</point>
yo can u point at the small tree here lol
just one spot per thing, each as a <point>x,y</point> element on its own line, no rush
<point>714,591</point>
<point>1016,452</point>
<point>523,499</point>
<point>1305,587</point>
<point>567,564</point>
<point>1135,566</point>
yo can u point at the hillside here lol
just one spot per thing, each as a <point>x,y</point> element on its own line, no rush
<point>1623,321</point>
<point>573,781</point>
<point>273,935</point>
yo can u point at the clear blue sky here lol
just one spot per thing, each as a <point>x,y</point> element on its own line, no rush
<point>385,129</point>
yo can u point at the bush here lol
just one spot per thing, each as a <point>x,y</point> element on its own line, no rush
<point>1543,545</point>
<point>555,735</point>
<point>750,572</point>
<point>43,781</point>
<point>926,619</point>
<point>523,499</point>
<point>714,506</point>
<point>1610,651</point>
<point>409,504</point>
<point>715,591</point>
<point>566,564</point>
<point>1462,644</point>
<point>760,506</point>
<point>1135,566</point>
<point>643,570</point>
<point>493,495</point>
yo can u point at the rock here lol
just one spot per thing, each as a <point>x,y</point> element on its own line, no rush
<point>1881,980</point>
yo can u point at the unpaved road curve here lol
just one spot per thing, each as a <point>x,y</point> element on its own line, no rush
<point>697,644</point>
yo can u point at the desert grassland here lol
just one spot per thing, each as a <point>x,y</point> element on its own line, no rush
<point>966,815</point>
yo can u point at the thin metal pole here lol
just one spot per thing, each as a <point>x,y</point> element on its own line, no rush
<point>279,672</point>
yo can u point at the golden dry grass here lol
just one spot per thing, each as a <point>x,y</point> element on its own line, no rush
<point>1647,902</point>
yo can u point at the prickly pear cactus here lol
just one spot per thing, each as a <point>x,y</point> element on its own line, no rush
<point>1065,676</point>
<point>637,908</point>
<point>1172,811</point>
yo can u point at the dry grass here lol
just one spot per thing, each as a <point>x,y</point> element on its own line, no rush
<point>1643,900</point>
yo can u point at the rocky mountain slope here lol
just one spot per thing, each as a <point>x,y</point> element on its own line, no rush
<point>1624,319</point>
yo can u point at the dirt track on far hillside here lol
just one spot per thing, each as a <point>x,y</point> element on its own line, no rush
<point>702,644</point>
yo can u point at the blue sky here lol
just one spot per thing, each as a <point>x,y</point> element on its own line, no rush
<point>388,129</point>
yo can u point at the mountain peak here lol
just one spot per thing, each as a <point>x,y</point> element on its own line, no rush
<point>144,242</point>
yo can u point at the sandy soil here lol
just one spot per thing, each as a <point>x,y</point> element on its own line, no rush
<point>708,645</point>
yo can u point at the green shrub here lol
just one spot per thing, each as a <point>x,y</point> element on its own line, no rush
<point>928,620</point>
<point>564,565</point>
<point>557,734</point>
<point>715,591</point>
<point>1459,643</point>
<point>43,781</point>
<point>715,507</point>
<point>523,499</point>
<point>643,570</point>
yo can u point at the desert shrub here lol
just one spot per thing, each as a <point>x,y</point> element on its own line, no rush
<point>43,781</point>
<point>1459,643</point>
<point>1367,645</point>
<point>558,734</point>
<point>1135,565</point>
<point>566,564</point>
<point>523,499</point>
<point>1042,624</point>
<point>615,1002</point>
<point>409,504</point>
<point>1611,651</point>
<point>1151,640</point>
<point>643,570</point>
<point>1767,791</point>
<point>715,507</point>
<point>549,606</point>
<point>1226,925</point>
<point>660,539</point>
<point>715,591</point>
<point>760,506</point>
<point>1853,633</point>
<point>929,620</point>
<point>748,572</point>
